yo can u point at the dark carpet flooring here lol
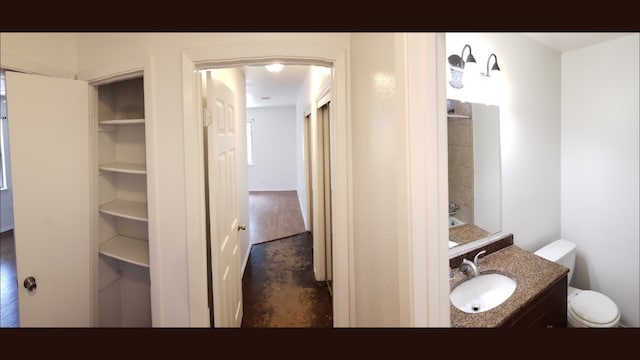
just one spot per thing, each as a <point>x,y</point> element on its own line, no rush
<point>279,289</point>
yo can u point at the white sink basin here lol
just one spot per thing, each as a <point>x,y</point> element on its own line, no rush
<point>482,293</point>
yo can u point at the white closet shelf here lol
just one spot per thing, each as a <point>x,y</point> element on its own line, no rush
<point>124,168</point>
<point>459,116</point>
<point>126,209</point>
<point>134,251</point>
<point>121,122</point>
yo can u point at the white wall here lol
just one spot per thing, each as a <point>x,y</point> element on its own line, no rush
<point>600,166</point>
<point>315,85</point>
<point>380,197</point>
<point>529,132</point>
<point>53,54</point>
<point>303,107</point>
<point>274,149</point>
<point>6,197</point>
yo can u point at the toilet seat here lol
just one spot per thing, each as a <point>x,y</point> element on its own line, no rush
<point>593,309</point>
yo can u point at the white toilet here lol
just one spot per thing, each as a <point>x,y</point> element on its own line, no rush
<point>585,308</point>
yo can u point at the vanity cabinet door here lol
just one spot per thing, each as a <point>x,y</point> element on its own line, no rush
<point>548,309</point>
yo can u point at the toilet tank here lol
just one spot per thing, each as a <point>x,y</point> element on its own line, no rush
<point>562,252</point>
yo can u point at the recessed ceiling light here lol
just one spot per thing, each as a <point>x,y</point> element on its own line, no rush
<point>274,67</point>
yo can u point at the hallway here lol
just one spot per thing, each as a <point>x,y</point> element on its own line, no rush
<point>279,289</point>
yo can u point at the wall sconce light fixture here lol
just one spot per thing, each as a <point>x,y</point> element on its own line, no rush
<point>478,86</point>
<point>495,66</point>
<point>458,65</point>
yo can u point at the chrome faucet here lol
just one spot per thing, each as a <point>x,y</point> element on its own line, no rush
<point>475,258</point>
<point>453,208</point>
<point>473,265</point>
<point>466,265</point>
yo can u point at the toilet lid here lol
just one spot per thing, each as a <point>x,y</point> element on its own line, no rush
<point>594,308</point>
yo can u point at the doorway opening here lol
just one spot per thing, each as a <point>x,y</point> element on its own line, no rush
<point>270,155</point>
<point>264,53</point>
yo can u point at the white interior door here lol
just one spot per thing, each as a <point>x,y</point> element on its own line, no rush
<point>223,205</point>
<point>49,139</point>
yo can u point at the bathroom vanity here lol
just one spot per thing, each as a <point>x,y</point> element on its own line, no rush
<point>547,309</point>
<point>540,297</point>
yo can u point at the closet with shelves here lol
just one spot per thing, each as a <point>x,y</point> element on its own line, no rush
<point>124,298</point>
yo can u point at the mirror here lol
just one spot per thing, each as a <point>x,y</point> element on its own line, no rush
<point>474,171</point>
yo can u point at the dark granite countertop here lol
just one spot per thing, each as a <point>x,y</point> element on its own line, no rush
<point>532,274</point>
<point>466,233</point>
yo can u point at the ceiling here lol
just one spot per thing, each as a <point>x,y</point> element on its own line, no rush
<point>565,41</point>
<point>280,88</point>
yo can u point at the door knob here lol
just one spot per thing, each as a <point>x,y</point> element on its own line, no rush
<point>242,227</point>
<point>30,283</point>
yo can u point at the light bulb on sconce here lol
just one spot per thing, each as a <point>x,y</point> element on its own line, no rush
<point>494,68</point>
<point>493,80</point>
<point>470,65</point>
